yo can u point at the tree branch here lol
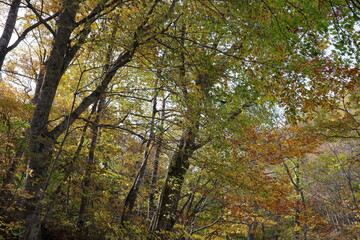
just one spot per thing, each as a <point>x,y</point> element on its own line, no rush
<point>206,226</point>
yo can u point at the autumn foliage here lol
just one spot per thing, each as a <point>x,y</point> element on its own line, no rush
<point>179,119</point>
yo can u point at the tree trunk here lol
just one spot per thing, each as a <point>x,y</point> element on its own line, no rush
<point>90,162</point>
<point>166,214</point>
<point>301,207</point>
<point>8,30</point>
<point>130,199</point>
<point>154,173</point>
<point>39,83</point>
<point>40,143</point>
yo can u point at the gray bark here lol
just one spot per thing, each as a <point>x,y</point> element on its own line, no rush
<point>8,30</point>
<point>40,143</point>
<point>166,215</point>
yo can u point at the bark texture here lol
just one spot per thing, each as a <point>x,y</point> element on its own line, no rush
<point>167,214</point>
<point>8,30</point>
<point>40,142</point>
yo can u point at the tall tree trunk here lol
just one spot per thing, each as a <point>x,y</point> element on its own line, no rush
<point>8,30</point>
<point>154,173</point>
<point>130,199</point>
<point>166,214</point>
<point>301,207</point>
<point>40,143</point>
<point>90,162</point>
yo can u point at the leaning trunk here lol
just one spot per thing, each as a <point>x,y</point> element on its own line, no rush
<point>40,142</point>
<point>8,30</point>
<point>130,199</point>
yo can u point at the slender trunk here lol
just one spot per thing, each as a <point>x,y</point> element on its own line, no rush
<point>8,30</point>
<point>297,221</point>
<point>130,199</point>
<point>39,83</point>
<point>94,129</point>
<point>90,162</point>
<point>304,209</point>
<point>302,205</point>
<point>154,173</point>
<point>298,210</point>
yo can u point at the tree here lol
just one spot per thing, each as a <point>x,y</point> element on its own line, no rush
<point>41,140</point>
<point>10,24</point>
<point>8,30</point>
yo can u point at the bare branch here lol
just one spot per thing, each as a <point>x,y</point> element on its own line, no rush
<point>207,226</point>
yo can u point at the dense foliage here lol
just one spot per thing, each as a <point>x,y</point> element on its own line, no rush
<point>166,119</point>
